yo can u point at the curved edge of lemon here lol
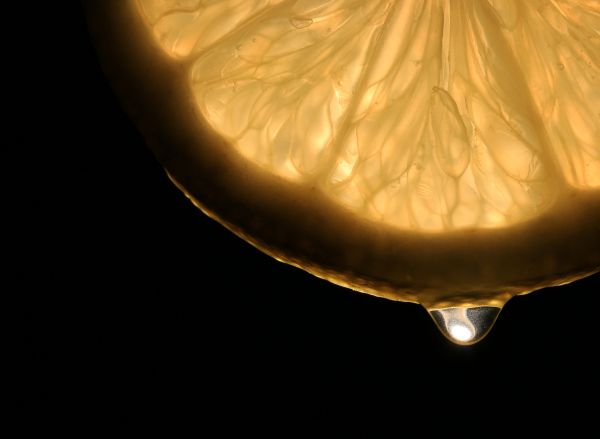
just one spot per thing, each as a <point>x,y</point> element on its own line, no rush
<point>298,225</point>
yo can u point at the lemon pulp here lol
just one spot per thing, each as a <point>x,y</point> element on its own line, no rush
<point>426,115</point>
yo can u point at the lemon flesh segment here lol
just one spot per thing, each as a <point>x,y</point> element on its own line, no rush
<point>425,115</point>
<point>562,62</point>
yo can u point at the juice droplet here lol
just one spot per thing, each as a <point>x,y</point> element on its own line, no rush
<point>465,326</point>
<point>301,23</point>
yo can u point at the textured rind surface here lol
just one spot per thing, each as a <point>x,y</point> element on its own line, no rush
<point>299,225</point>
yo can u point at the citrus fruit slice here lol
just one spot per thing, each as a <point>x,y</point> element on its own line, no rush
<point>434,151</point>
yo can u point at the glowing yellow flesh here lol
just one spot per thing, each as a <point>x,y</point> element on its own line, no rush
<point>422,114</point>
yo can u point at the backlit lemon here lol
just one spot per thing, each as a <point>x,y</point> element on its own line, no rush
<point>437,151</point>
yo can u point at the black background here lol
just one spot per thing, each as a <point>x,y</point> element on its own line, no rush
<point>132,303</point>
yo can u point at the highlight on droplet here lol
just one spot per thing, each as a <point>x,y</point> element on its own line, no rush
<point>461,332</point>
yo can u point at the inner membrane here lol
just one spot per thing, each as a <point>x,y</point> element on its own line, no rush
<point>423,114</point>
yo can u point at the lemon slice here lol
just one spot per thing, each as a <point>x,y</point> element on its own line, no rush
<point>435,151</point>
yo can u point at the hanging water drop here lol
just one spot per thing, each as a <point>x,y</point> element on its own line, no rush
<point>465,326</point>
